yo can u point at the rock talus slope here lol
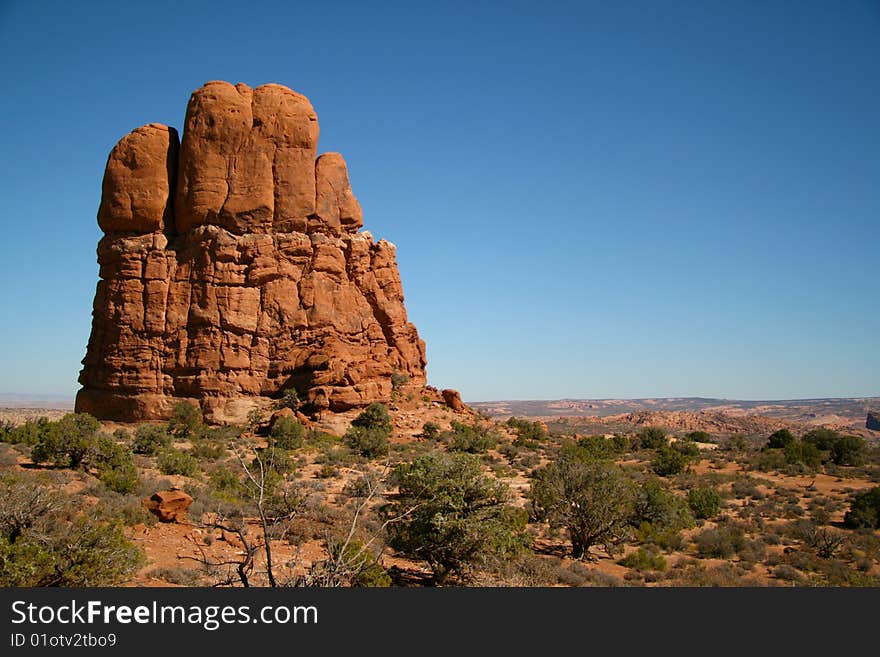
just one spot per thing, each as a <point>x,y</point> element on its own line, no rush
<point>232,268</point>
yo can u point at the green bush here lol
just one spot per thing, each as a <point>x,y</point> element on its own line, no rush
<point>527,432</point>
<point>287,433</point>
<point>226,485</point>
<point>864,510</point>
<point>643,559</point>
<point>768,459</point>
<point>369,432</point>
<point>278,459</point>
<point>721,542</point>
<point>175,462</point>
<point>66,443</point>
<point>115,465</point>
<point>74,442</point>
<point>594,447</point>
<point>801,452</point>
<point>593,500</point>
<point>451,515</point>
<point>848,450</point>
<point>704,502</point>
<point>186,420</point>
<point>470,438</point>
<point>374,416</point>
<point>823,439</point>
<point>655,504</point>
<point>150,439</point>
<point>367,442</point>
<point>431,431</point>
<point>289,399</point>
<point>40,547</point>
<point>398,380</point>
<point>207,450</point>
<point>360,565</point>
<point>652,438</point>
<point>27,433</point>
<point>687,448</point>
<point>780,439</point>
<point>225,433</point>
<point>700,436</point>
<point>668,461</point>
<point>665,538</point>
<point>621,443</point>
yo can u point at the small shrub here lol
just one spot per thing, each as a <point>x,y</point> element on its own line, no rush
<point>780,439</point>
<point>594,447</point>
<point>66,443</point>
<point>278,459</point>
<point>289,399</point>
<point>704,502</point>
<point>700,437</point>
<point>643,559</point>
<point>287,433</point>
<point>186,420</point>
<point>864,510</point>
<point>687,448</point>
<point>527,432</point>
<point>667,538</point>
<point>453,516</point>
<point>150,439</point>
<point>358,564</point>
<point>652,438</point>
<point>822,439</point>
<point>803,453</point>
<point>374,416</point>
<point>742,488</point>
<point>40,546</point>
<point>721,542</point>
<point>787,573</point>
<point>206,450</point>
<point>177,575</point>
<point>398,380</point>
<point>27,433</point>
<point>175,462</point>
<point>848,450</point>
<point>430,430</point>
<point>621,442</point>
<point>668,462</point>
<point>469,438</point>
<point>366,441</point>
<point>226,485</point>
<point>657,505</point>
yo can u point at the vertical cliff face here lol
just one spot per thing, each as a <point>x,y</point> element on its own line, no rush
<point>232,268</point>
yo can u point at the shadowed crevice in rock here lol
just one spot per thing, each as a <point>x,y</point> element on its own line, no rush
<point>255,277</point>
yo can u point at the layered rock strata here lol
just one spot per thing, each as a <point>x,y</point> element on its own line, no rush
<point>232,268</point>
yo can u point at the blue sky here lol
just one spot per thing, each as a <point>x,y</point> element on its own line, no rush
<point>589,199</point>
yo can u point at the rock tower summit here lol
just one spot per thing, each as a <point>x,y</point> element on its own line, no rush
<point>232,268</point>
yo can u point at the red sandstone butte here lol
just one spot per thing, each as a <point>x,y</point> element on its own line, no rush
<point>232,267</point>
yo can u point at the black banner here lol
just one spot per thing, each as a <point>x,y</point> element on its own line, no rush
<point>397,621</point>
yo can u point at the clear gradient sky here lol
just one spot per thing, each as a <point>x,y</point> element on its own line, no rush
<point>589,199</point>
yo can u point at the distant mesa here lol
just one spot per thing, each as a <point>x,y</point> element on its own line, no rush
<point>232,268</point>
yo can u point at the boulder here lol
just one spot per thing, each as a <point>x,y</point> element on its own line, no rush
<point>453,400</point>
<point>168,505</point>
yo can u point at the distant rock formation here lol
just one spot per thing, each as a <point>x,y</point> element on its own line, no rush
<point>231,269</point>
<point>872,421</point>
